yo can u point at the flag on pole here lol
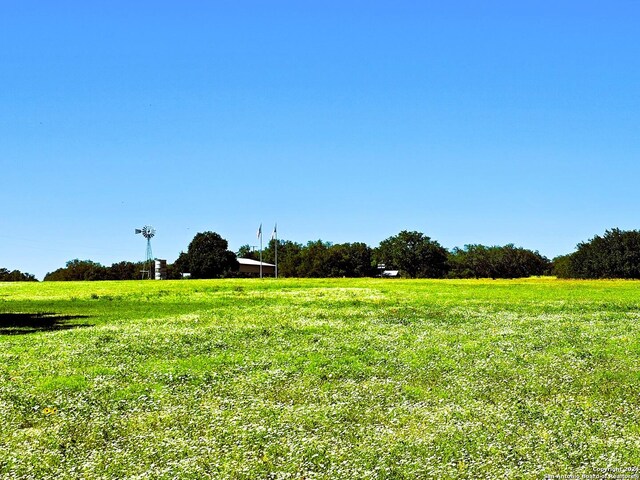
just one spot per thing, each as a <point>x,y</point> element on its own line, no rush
<point>274,234</point>
<point>259,233</point>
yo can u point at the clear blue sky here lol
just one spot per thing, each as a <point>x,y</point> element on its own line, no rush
<point>473,122</point>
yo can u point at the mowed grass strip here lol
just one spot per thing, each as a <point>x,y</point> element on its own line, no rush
<point>321,379</point>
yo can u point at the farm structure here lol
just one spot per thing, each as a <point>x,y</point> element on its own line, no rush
<point>252,267</point>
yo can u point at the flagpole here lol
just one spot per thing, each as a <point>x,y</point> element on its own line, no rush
<point>275,230</point>
<point>260,251</point>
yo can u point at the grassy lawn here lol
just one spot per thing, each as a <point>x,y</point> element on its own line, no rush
<point>332,379</point>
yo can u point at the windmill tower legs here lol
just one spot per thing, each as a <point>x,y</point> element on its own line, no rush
<point>148,262</point>
<point>147,232</point>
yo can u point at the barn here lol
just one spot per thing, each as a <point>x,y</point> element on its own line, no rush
<point>251,267</point>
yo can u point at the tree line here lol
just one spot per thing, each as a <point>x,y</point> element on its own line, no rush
<point>83,270</point>
<point>413,254</point>
<point>15,276</point>
<point>616,254</point>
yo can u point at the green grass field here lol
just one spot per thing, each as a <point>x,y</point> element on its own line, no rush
<point>332,379</point>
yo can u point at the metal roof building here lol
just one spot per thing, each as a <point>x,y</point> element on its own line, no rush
<point>250,266</point>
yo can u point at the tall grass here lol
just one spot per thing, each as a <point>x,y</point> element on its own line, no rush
<point>319,379</point>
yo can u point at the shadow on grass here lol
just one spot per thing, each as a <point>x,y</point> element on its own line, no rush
<point>23,323</point>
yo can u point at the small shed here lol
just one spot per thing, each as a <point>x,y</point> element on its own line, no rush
<point>251,267</point>
<point>391,273</point>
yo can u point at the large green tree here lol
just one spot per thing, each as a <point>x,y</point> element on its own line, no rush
<point>616,254</point>
<point>414,254</point>
<point>208,256</point>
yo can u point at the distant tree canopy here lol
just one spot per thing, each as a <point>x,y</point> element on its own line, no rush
<point>561,266</point>
<point>180,266</point>
<point>247,251</point>
<point>614,255</point>
<point>479,261</point>
<point>126,271</point>
<point>414,254</point>
<point>15,276</point>
<point>288,256</point>
<point>208,256</point>
<point>320,259</point>
<point>312,260</point>
<point>350,260</point>
<point>86,270</point>
<point>78,270</point>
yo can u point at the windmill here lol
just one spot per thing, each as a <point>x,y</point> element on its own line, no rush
<point>147,232</point>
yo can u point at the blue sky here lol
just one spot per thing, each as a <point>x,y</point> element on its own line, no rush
<point>473,122</point>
